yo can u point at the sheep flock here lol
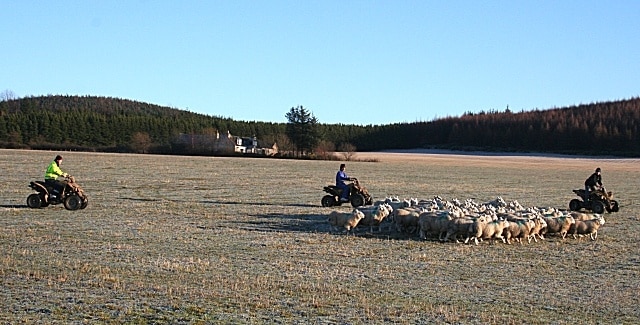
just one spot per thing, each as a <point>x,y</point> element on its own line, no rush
<point>466,221</point>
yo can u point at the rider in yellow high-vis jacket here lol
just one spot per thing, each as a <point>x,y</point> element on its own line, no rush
<point>52,173</point>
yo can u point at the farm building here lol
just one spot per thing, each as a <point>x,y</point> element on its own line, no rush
<point>226,144</point>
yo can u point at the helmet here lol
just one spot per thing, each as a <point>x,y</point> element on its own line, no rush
<point>598,170</point>
<point>58,157</point>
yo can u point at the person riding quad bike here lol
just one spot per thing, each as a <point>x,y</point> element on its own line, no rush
<point>593,183</point>
<point>54,191</point>
<point>594,196</point>
<point>343,192</point>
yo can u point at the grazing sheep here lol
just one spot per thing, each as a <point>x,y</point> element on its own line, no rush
<point>433,222</point>
<point>347,221</point>
<point>558,225</point>
<point>489,229</point>
<point>587,227</point>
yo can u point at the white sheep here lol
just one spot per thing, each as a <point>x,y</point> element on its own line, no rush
<point>375,215</point>
<point>489,229</point>
<point>434,222</point>
<point>584,216</point>
<point>406,219</point>
<point>347,221</point>
<point>558,225</point>
<point>540,226</point>
<point>518,229</point>
<point>396,203</point>
<point>464,226</point>
<point>587,227</point>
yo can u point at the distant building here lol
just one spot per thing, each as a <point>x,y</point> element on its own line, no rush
<point>214,143</point>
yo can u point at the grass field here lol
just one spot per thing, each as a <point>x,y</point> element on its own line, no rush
<point>168,239</point>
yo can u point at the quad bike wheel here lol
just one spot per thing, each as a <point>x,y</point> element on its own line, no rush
<point>72,202</point>
<point>85,202</point>
<point>328,201</point>
<point>614,206</point>
<point>597,207</point>
<point>357,200</point>
<point>34,201</point>
<point>575,205</point>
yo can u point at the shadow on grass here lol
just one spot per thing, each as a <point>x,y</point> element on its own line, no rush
<point>300,205</point>
<point>313,223</point>
<point>14,206</point>
<point>146,199</point>
<point>277,222</point>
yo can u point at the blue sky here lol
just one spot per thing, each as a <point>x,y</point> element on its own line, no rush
<point>351,62</point>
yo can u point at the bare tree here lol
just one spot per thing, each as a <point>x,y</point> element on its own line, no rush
<point>140,142</point>
<point>7,95</point>
<point>325,149</point>
<point>284,144</point>
<point>348,151</point>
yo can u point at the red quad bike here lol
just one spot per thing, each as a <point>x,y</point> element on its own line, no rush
<point>358,195</point>
<point>72,196</point>
<point>598,201</point>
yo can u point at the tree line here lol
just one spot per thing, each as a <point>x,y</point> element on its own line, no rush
<point>107,124</point>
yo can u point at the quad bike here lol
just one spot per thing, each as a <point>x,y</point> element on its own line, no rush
<point>598,201</point>
<point>72,196</point>
<point>358,195</point>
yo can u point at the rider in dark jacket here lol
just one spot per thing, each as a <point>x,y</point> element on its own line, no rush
<point>341,176</point>
<point>594,182</point>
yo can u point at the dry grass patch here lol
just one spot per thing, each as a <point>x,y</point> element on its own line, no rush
<point>231,240</point>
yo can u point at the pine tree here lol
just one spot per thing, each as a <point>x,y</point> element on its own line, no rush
<point>302,129</point>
